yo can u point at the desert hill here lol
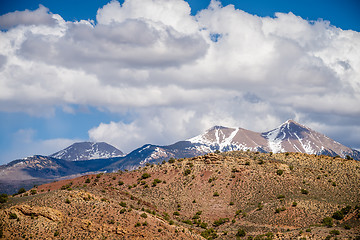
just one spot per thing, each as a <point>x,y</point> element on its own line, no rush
<point>240,194</point>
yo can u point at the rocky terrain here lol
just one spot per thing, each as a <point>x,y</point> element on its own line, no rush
<point>232,195</point>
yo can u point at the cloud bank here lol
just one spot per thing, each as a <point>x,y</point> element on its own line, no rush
<point>179,74</point>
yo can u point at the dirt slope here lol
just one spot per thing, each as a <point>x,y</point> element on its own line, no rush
<point>223,196</point>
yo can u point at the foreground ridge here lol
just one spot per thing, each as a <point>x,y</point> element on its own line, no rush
<point>214,196</point>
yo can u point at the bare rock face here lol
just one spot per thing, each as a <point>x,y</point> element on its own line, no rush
<point>49,213</point>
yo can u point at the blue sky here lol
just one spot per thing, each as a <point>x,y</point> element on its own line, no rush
<point>130,75</point>
<point>341,13</point>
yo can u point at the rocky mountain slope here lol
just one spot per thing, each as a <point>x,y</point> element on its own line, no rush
<point>288,137</point>
<point>88,150</point>
<point>244,195</point>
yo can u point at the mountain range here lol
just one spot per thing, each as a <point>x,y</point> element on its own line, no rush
<point>85,157</point>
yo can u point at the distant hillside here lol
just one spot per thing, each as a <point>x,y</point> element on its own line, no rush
<point>231,195</point>
<point>38,169</point>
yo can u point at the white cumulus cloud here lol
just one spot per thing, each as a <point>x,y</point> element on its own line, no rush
<point>179,74</point>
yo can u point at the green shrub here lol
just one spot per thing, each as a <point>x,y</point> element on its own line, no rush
<point>121,183</point>
<point>196,217</point>
<point>187,172</point>
<point>241,233</point>
<point>231,203</point>
<point>56,233</point>
<point>187,222</point>
<point>203,225</point>
<point>279,172</point>
<point>171,160</point>
<point>155,182</point>
<point>220,221</point>
<point>328,221</point>
<point>87,180</point>
<point>122,211</point>
<point>33,191</point>
<point>143,215</point>
<point>176,213</point>
<point>145,175</point>
<point>346,210</point>
<point>209,234</point>
<point>67,201</point>
<point>294,204</point>
<point>334,232</point>
<point>304,191</point>
<point>216,194</point>
<point>145,223</point>
<point>21,190</point>
<point>3,198</point>
<point>347,227</point>
<point>280,196</point>
<point>12,216</point>
<point>137,224</point>
<point>338,215</point>
<point>123,204</point>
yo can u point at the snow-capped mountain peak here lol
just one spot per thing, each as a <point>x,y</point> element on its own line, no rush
<point>288,137</point>
<point>88,150</point>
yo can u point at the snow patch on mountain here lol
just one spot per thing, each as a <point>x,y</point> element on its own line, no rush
<point>274,141</point>
<point>156,154</point>
<point>216,139</point>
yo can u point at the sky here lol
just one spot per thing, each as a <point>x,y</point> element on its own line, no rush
<point>159,71</point>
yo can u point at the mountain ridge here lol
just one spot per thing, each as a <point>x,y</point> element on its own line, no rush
<point>288,137</point>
